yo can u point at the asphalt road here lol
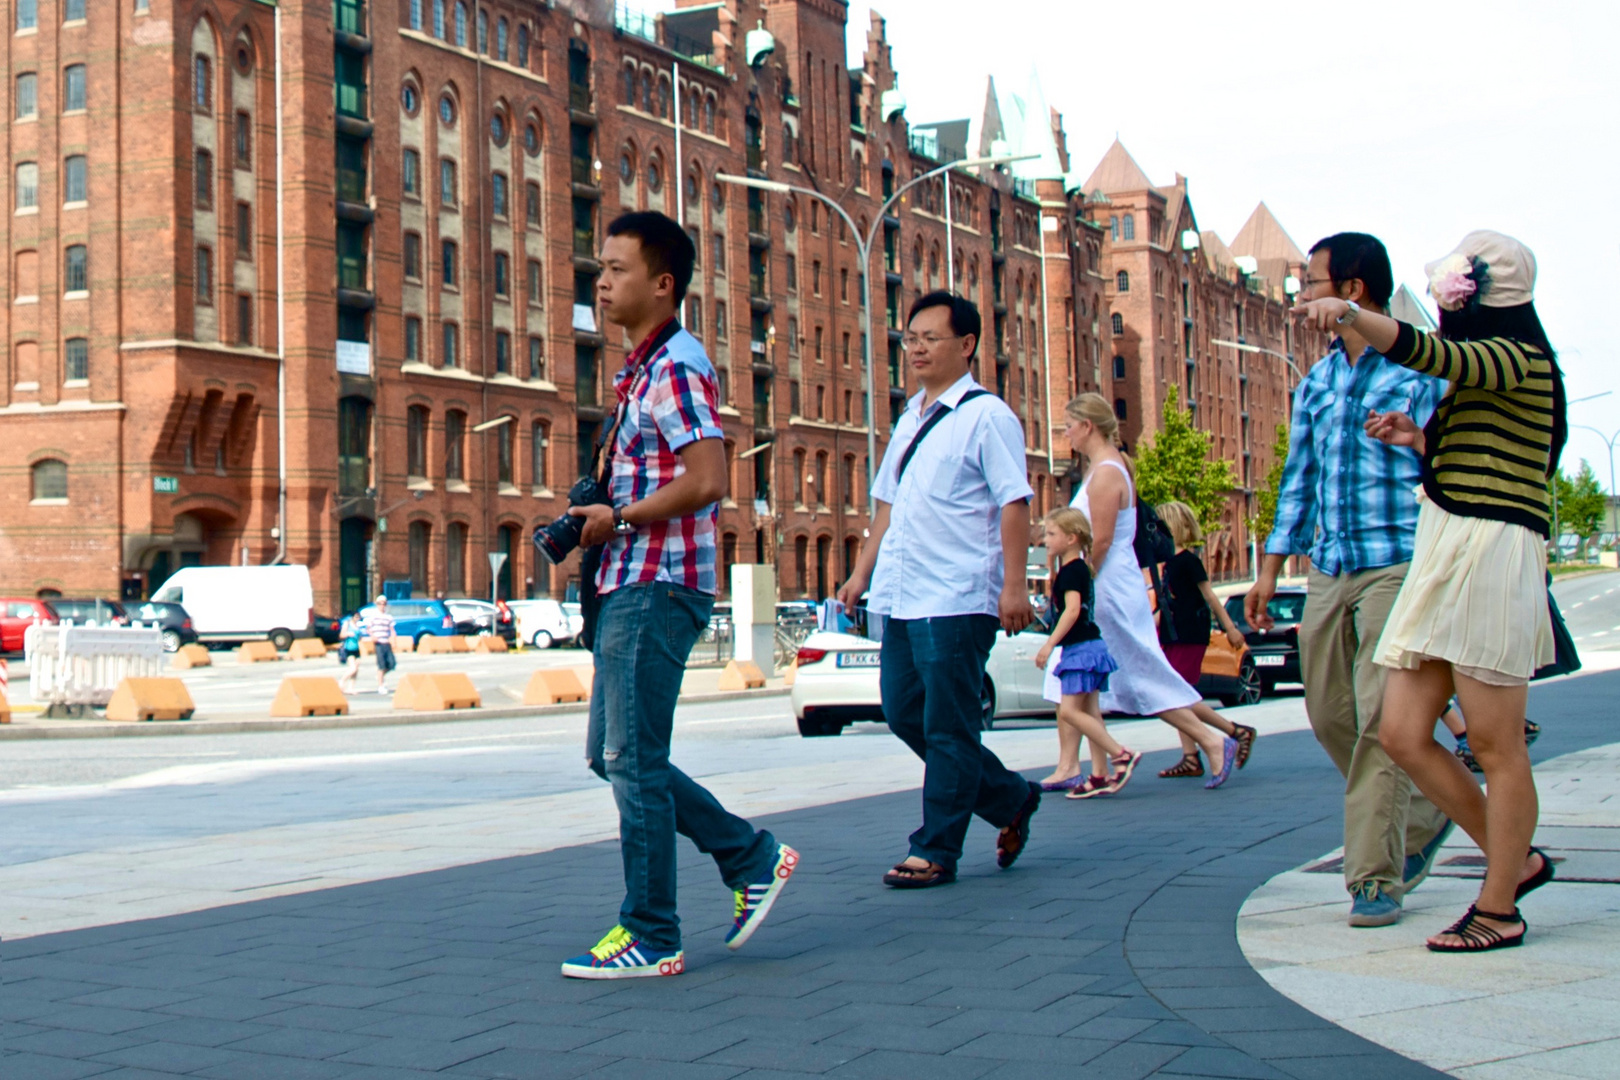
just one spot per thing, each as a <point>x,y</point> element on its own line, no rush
<point>1591,608</point>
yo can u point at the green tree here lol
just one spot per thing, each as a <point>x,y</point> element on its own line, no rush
<point>1265,500</point>
<point>1581,503</point>
<point>1176,464</point>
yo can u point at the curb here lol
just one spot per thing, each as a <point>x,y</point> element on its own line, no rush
<point>99,729</point>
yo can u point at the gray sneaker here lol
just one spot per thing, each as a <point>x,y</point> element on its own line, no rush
<point>1370,905</point>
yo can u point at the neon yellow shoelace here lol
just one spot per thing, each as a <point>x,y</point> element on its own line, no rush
<point>615,942</point>
<point>742,903</point>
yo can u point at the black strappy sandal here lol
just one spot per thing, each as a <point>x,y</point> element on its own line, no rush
<point>1189,765</point>
<point>1477,937</point>
<point>1537,879</point>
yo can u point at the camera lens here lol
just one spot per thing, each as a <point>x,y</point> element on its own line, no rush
<point>557,540</point>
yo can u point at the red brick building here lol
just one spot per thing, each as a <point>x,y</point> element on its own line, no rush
<point>364,338</point>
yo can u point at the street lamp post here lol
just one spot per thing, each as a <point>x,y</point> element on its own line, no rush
<point>1242,346</point>
<point>863,246</point>
<point>1609,441</point>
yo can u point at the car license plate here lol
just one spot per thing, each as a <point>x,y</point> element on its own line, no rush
<point>1270,660</point>
<point>864,658</point>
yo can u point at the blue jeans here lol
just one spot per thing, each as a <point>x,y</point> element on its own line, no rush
<point>931,674</point>
<point>644,634</point>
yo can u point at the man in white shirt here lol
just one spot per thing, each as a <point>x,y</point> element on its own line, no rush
<point>946,560</point>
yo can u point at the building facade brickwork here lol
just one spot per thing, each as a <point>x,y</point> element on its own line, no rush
<point>402,371</point>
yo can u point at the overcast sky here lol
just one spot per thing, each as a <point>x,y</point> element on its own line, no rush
<point>1414,120</point>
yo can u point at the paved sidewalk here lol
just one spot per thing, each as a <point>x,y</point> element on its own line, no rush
<point>1548,1009</point>
<point>1111,946</point>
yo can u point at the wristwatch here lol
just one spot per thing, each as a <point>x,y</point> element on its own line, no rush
<point>621,527</point>
<point>1349,317</point>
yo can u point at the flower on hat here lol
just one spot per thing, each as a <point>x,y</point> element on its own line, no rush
<point>1451,282</point>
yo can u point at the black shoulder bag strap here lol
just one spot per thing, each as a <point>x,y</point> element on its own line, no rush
<point>928,425</point>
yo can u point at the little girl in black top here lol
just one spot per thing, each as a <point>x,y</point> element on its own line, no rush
<point>1082,665</point>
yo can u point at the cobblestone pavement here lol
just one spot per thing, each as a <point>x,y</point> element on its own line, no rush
<point>1110,946</point>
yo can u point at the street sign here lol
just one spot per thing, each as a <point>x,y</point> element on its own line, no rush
<point>497,559</point>
<point>166,485</point>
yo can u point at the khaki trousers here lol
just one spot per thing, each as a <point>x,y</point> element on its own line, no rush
<point>1385,817</point>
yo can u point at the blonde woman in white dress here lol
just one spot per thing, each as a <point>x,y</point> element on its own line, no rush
<point>1145,684</point>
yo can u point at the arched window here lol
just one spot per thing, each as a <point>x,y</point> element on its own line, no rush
<point>421,537</point>
<point>455,558</point>
<point>455,445</point>
<point>461,23</point>
<point>438,20</point>
<point>523,45</point>
<point>540,454</point>
<point>694,111</point>
<point>500,39</point>
<point>1119,367</point>
<point>202,84</point>
<point>789,154</point>
<point>708,115</point>
<point>1118,322</point>
<point>1130,226</point>
<point>663,99</point>
<point>630,85</point>
<point>416,14</point>
<point>50,480</point>
<point>1122,280</point>
<point>859,162</point>
<point>1119,408</point>
<point>483,33</point>
<point>77,365</point>
<point>646,92</point>
<point>416,428</point>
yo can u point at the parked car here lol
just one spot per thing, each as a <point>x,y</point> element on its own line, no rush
<point>89,612</point>
<point>328,628</point>
<point>576,620</point>
<point>17,614</point>
<point>836,682</point>
<point>484,618</point>
<point>418,619</point>
<point>233,604</point>
<point>719,622</point>
<point>543,623</point>
<point>1275,652</point>
<point>171,620</point>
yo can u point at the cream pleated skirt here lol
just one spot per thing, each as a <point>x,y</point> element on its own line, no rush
<point>1475,596</point>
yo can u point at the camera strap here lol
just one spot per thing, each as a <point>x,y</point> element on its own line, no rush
<point>928,425</point>
<point>602,460</point>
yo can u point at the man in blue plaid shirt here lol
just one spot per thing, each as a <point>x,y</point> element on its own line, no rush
<point>1349,502</point>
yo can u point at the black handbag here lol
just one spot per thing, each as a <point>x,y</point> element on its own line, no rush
<point>1566,661</point>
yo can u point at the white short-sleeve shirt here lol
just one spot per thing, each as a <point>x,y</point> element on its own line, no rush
<point>942,552</point>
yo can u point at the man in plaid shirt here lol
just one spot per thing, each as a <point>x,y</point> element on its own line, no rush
<point>657,587</point>
<point>1348,501</point>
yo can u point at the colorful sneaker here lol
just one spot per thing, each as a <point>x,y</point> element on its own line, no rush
<point>1123,764</point>
<point>621,955</point>
<point>755,901</point>
<point>1092,787</point>
<point>1229,750</point>
<point>1418,866</point>
<point>1370,905</point>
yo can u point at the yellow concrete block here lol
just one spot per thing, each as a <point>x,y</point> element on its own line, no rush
<point>432,692</point>
<point>791,674</point>
<point>254,652</point>
<point>742,675</point>
<point>315,695</point>
<point>404,644</point>
<point>490,643</point>
<point>191,656</point>
<point>307,649</point>
<point>368,647</point>
<point>554,686</point>
<point>5,709</point>
<point>151,699</point>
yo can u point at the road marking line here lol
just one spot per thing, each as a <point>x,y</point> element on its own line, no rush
<point>735,720</point>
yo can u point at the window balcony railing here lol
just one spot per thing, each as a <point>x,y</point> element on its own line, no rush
<point>585,242</point>
<point>758,287</point>
<point>585,384</point>
<point>354,474</point>
<point>579,97</point>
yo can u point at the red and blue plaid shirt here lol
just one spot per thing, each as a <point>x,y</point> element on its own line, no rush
<point>670,401</point>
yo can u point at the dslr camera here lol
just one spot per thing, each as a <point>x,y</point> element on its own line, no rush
<point>561,537</point>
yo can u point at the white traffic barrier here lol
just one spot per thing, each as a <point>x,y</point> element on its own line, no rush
<point>74,667</point>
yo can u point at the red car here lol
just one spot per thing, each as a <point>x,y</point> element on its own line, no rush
<point>16,616</point>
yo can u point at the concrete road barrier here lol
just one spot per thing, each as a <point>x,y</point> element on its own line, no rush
<point>436,692</point>
<point>404,644</point>
<point>315,695</point>
<point>307,649</point>
<point>490,643</point>
<point>742,675</point>
<point>191,656</point>
<point>256,652</point>
<point>554,686</point>
<point>454,643</point>
<point>151,699</point>
<point>5,710</point>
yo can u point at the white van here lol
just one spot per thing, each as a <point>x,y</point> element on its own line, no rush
<point>232,604</point>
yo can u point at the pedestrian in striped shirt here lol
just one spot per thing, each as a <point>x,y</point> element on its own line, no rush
<point>380,629</point>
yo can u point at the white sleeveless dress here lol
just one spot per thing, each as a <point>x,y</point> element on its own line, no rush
<point>1145,684</point>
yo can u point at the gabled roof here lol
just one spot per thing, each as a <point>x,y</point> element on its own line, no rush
<point>1116,172</point>
<point>1263,238</point>
<point>1216,254</point>
<point>1406,307</point>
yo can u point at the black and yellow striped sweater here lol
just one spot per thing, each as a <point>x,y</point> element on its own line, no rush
<point>1497,433</point>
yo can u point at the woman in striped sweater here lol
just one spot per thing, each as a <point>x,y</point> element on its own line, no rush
<point>1472,616</point>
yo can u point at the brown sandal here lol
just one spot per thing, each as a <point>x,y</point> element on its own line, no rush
<point>1189,765</point>
<point>1245,739</point>
<point>918,877</point>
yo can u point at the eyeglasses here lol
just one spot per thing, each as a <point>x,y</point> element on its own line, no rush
<point>1308,282</point>
<point>913,342</point>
